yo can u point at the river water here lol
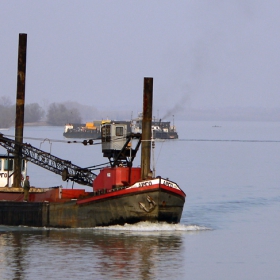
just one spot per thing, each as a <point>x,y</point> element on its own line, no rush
<point>229,228</point>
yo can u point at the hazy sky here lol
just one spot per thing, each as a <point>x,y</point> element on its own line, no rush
<point>201,54</point>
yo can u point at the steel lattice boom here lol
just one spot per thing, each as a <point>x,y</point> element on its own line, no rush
<point>50,162</point>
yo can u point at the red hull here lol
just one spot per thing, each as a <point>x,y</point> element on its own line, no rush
<point>156,185</point>
<point>56,194</point>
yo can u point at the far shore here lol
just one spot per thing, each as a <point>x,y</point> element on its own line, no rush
<point>31,124</point>
<point>37,124</point>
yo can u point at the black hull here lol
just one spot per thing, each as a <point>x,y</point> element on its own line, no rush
<point>157,205</point>
<point>94,135</point>
<point>165,135</point>
<point>83,134</point>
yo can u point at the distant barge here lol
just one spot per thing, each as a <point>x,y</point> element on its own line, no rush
<point>92,130</point>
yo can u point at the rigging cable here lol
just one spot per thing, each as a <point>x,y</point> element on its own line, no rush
<point>58,141</point>
<point>160,140</point>
<point>229,140</point>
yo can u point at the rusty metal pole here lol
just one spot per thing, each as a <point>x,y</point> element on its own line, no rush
<point>147,128</point>
<point>22,48</point>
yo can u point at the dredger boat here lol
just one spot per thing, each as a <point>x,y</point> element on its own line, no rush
<point>121,193</point>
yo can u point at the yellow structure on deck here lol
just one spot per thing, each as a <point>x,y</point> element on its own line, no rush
<point>90,125</point>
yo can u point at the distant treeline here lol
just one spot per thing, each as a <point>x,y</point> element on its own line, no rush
<point>57,114</point>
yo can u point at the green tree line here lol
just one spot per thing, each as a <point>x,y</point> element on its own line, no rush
<point>57,114</point>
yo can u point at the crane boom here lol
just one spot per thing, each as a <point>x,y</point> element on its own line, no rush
<point>62,167</point>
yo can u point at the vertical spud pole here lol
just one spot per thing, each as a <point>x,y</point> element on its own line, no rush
<point>19,123</point>
<point>146,128</point>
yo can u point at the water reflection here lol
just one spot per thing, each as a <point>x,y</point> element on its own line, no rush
<point>14,257</point>
<point>86,253</point>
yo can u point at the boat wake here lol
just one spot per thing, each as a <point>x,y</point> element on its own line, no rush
<point>139,228</point>
<point>152,227</point>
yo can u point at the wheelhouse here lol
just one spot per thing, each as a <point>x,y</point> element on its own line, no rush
<point>7,170</point>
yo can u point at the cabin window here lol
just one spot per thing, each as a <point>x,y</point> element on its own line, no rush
<point>119,131</point>
<point>8,165</point>
<point>0,164</point>
<point>106,130</point>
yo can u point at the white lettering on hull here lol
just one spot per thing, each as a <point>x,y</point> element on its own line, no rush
<point>3,175</point>
<point>155,182</point>
<point>169,184</point>
<point>145,184</point>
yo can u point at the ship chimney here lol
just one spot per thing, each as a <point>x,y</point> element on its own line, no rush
<point>22,46</point>
<point>146,128</point>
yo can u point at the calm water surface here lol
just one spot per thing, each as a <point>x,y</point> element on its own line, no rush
<point>229,229</point>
